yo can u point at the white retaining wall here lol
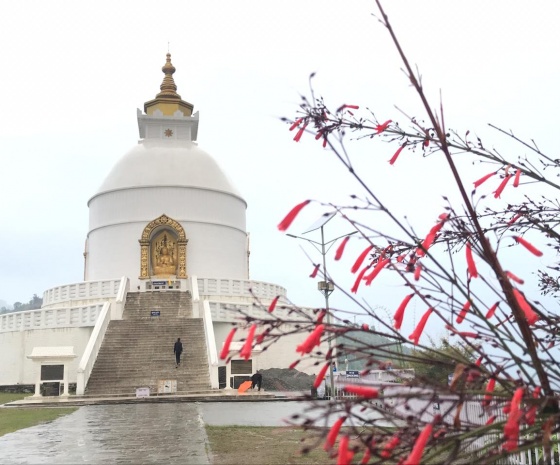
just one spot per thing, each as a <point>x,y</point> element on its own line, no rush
<point>16,368</point>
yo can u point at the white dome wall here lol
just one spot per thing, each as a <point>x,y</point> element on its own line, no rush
<point>183,182</point>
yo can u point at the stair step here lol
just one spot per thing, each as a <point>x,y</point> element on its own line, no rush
<point>137,351</point>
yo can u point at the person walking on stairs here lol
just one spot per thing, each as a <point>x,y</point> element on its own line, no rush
<point>178,350</point>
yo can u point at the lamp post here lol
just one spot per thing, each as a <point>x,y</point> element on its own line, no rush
<point>325,287</point>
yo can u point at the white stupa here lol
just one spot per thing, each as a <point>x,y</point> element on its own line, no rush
<point>166,218</point>
<point>166,183</point>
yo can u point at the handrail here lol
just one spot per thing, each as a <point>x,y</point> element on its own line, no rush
<point>195,297</point>
<point>92,349</point>
<point>120,301</point>
<point>210,346</point>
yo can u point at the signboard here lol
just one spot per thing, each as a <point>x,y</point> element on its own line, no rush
<point>352,374</point>
<point>143,392</point>
<point>159,283</point>
<point>52,372</point>
<point>155,313</point>
<point>167,386</point>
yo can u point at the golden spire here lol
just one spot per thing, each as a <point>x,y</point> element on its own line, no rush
<point>168,101</point>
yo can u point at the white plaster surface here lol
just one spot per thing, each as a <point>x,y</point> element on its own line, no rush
<point>16,368</point>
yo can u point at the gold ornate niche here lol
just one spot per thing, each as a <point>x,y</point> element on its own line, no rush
<point>163,249</point>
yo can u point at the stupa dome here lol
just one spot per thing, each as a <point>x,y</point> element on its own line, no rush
<point>169,163</point>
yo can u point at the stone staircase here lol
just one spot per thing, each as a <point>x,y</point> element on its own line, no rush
<point>137,351</point>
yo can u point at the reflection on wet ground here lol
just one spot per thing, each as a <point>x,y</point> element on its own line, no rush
<point>135,434</point>
<point>170,433</point>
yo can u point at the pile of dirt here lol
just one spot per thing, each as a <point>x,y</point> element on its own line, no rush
<point>284,379</point>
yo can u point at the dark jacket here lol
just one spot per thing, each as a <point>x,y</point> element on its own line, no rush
<point>178,348</point>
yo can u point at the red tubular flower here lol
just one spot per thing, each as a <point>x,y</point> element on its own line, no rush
<point>294,364</point>
<point>272,305</point>
<point>344,455</point>
<point>489,390</point>
<point>312,340</point>
<point>362,391</point>
<point>463,312</point>
<point>359,280</point>
<point>382,127</point>
<point>389,446</point>
<point>319,134</point>
<point>315,271</point>
<point>300,132</point>
<point>365,326</point>
<point>530,247</point>
<point>321,375</point>
<point>361,258</point>
<point>399,314</point>
<point>325,141</point>
<point>492,310</point>
<point>513,277</point>
<point>418,449</point>
<point>342,107</point>
<point>378,267</point>
<point>514,219</point>
<point>516,179</point>
<point>321,316</point>
<point>396,155</point>
<point>426,142</point>
<point>289,218</point>
<point>417,272</point>
<point>471,266</point>
<point>365,457</point>
<point>511,428</point>
<point>415,336</point>
<point>490,420</point>
<point>261,336</point>
<point>227,343</point>
<point>478,361</point>
<point>245,351</point>
<point>530,315</point>
<point>502,186</point>
<point>333,433</point>
<point>340,249</point>
<point>483,179</point>
<point>531,414</point>
<point>297,122</point>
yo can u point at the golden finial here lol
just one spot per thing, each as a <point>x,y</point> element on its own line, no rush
<point>168,100</point>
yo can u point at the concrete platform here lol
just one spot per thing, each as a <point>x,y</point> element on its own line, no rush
<point>221,395</point>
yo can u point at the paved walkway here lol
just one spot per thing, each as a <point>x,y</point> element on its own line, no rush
<point>124,434</point>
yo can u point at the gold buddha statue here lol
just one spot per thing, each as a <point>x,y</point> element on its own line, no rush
<point>164,263</point>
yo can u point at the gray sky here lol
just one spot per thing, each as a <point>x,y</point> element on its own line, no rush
<point>73,74</point>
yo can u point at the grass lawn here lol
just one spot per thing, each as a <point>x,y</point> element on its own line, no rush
<point>256,445</point>
<point>12,419</point>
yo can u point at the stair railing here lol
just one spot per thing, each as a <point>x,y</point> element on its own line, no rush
<point>120,301</point>
<point>195,297</point>
<point>210,345</point>
<point>92,348</point>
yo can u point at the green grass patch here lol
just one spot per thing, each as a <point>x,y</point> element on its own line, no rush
<point>13,418</point>
<point>258,445</point>
<point>6,397</point>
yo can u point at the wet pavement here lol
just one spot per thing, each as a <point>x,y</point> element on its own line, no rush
<point>144,433</point>
<point>122,434</point>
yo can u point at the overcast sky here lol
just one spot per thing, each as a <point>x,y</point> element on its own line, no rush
<point>73,74</point>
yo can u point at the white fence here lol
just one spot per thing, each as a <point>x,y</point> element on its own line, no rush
<point>81,291</point>
<point>50,318</point>
<point>239,287</point>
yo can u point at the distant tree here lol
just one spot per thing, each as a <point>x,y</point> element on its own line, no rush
<point>435,364</point>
